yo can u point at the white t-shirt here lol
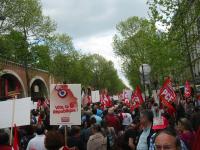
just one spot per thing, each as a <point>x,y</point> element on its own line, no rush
<point>127,119</point>
<point>36,143</point>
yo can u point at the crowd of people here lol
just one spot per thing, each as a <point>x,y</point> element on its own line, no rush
<point>151,126</point>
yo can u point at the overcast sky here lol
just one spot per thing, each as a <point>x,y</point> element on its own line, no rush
<point>91,23</point>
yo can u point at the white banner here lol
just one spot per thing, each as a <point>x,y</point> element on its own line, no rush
<point>22,108</point>
<point>127,94</point>
<point>95,96</point>
<point>65,104</point>
<point>115,97</point>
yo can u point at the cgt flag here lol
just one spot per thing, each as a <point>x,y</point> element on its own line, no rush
<point>187,90</point>
<point>136,98</point>
<point>167,94</point>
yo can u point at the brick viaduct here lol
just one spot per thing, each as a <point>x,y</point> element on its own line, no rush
<point>19,71</point>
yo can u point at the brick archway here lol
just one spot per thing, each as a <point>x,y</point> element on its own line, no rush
<point>39,78</point>
<point>11,72</point>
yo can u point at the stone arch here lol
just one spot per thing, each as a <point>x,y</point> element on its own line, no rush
<point>11,72</point>
<point>42,85</point>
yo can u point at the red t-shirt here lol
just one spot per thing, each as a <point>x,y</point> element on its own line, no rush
<point>113,121</point>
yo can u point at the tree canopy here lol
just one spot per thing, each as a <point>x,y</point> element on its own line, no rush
<point>28,37</point>
<point>139,42</point>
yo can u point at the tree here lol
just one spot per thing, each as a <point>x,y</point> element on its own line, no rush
<point>89,70</point>
<point>180,18</point>
<point>41,57</point>
<point>26,16</point>
<point>13,46</point>
<point>60,43</point>
<point>138,42</point>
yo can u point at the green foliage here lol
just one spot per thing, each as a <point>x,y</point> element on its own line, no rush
<point>180,18</point>
<point>60,43</point>
<point>13,46</point>
<point>26,36</point>
<point>92,70</point>
<point>26,16</point>
<point>41,57</point>
<point>139,42</point>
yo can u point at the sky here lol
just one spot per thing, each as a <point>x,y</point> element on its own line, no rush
<point>92,23</point>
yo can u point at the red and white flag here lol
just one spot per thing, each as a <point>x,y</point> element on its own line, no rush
<point>105,100</point>
<point>187,90</point>
<point>16,140</point>
<point>136,98</point>
<point>39,104</point>
<point>127,102</point>
<point>167,94</point>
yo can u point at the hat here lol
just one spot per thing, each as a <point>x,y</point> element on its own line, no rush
<point>160,123</point>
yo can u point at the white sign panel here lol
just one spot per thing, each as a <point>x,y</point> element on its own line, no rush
<point>65,104</point>
<point>95,96</point>
<point>21,112</point>
<point>127,94</point>
<point>115,97</point>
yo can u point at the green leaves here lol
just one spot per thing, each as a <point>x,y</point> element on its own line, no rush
<point>138,42</point>
<point>27,37</point>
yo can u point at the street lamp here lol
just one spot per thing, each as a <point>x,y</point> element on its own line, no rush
<point>145,70</point>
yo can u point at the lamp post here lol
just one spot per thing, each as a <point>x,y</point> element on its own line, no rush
<point>145,70</point>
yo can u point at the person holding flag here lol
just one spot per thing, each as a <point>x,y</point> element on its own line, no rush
<point>136,99</point>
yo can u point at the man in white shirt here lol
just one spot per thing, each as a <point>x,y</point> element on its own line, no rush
<point>37,143</point>
<point>146,120</point>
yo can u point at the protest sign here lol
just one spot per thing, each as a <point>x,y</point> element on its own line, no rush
<point>115,97</point>
<point>21,113</point>
<point>95,96</point>
<point>65,104</point>
<point>127,94</point>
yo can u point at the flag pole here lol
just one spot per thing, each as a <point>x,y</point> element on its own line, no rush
<point>13,117</point>
<point>65,135</point>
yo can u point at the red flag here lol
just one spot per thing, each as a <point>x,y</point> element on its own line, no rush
<point>105,101</point>
<point>167,94</point>
<point>127,102</point>
<point>136,98</point>
<point>39,103</point>
<point>187,90</point>
<point>16,140</point>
